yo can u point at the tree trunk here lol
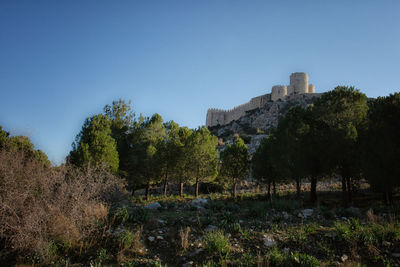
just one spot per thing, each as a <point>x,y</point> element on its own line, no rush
<point>349,191</point>
<point>165,185</point>
<point>269,191</point>
<point>197,187</point>
<point>344,191</point>
<point>298,188</point>
<point>313,192</point>
<point>133,191</point>
<point>234,190</point>
<point>274,188</point>
<point>148,190</point>
<point>181,190</point>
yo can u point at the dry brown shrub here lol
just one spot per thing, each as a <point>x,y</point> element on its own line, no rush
<point>41,205</point>
<point>184,235</point>
<point>371,217</point>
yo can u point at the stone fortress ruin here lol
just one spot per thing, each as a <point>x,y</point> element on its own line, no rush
<point>298,87</point>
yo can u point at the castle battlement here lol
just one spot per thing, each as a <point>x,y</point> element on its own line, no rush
<point>298,85</point>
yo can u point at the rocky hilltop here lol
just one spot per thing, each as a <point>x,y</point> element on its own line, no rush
<point>255,124</point>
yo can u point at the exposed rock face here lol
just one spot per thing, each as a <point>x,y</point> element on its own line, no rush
<point>298,86</point>
<point>257,123</point>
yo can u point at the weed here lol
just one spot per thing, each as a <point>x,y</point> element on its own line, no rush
<point>217,242</point>
<point>121,215</point>
<point>287,205</point>
<point>184,235</point>
<point>247,259</point>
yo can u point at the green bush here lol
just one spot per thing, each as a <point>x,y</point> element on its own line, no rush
<point>276,257</point>
<point>139,215</point>
<point>125,239</point>
<point>217,242</point>
<point>258,210</point>
<point>287,205</point>
<point>303,260</point>
<point>121,215</point>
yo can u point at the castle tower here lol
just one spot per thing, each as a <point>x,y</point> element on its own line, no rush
<point>278,92</point>
<point>311,88</point>
<point>298,83</point>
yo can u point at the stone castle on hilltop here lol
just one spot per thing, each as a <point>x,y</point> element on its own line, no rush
<point>298,87</point>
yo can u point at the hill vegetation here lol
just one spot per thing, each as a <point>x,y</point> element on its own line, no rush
<point>124,195</point>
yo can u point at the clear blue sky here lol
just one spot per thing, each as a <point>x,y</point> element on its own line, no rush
<point>62,61</point>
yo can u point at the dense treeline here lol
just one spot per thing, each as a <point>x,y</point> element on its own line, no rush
<point>146,151</point>
<point>341,135</point>
<point>47,211</point>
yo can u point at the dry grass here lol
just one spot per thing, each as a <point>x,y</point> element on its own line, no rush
<point>184,236</point>
<point>41,206</point>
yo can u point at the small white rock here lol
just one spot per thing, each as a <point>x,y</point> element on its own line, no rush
<point>151,238</point>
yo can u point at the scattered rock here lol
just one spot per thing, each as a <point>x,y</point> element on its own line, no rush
<point>353,211</point>
<point>153,206</point>
<point>159,237</point>
<point>269,241</point>
<point>386,244</point>
<point>285,215</point>
<point>151,238</point>
<point>211,228</point>
<point>199,203</point>
<point>344,258</point>
<point>161,221</point>
<point>286,250</point>
<point>396,255</point>
<point>305,213</point>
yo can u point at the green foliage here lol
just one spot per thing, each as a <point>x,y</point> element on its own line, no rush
<point>381,145</point>
<point>121,215</point>
<point>125,238</point>
<point>288,205</point>
<point>258,210</point>
<point>217,242</point>
<point>202,155</point>
<point>94,144</point>
<point>234,162</point>
<point>275,257</point>
<point>24,145</point>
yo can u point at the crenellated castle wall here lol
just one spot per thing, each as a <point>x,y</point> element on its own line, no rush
<point>298,85</point>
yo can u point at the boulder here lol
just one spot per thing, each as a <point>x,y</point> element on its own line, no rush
<point>153,206</point>
<point>269,241</point>
<point>199,203</point>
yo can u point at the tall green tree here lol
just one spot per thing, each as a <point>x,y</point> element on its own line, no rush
<point>266,163</point>
<point>183,167</point>
<point>169,149</point>
<point>146,162</point>
<point>123,122</point>
<point>235,163</point>
<point>292,130</point>
<point>381,145</point>
<point>344,111</point>
<point>94,144</point>
<point>203,156</point>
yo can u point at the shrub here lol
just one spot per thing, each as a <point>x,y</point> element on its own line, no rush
<point>287,205</point>
<point>121,215</point>
<point>217,242</point>
<point>302,260</point>
<point>184,236</point>
<point>258,210</point>
<point>41,206</point>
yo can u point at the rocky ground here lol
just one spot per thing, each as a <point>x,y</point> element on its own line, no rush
<point>261,120</point>
<point>218,231</point>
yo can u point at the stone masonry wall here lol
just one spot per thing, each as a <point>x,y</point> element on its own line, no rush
<point>298,86</point>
